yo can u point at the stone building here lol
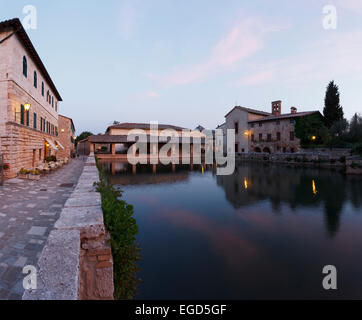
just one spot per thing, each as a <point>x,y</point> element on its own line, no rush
<point>259,131</point>
<point>238,119</point>
<point>29,102</point>
<point>276,133</point>
<point>66,136</point>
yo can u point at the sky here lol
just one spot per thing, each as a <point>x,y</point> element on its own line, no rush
<point>189,62</point>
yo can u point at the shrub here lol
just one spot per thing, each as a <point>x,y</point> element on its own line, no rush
<point>51,159</point>
<point>35,172</point>
<point>357,149</point>
<point>122,227</point>
<point>6,166</point>
<point>24,171</point>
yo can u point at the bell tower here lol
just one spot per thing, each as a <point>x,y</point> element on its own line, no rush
<point>276,108</point>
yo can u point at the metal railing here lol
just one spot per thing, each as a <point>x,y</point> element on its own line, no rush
<point>1,169</point>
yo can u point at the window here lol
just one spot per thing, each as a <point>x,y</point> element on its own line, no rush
<point>236,148</point>
<point>252,137</point>
<point>260,124</point>
<point>35,80</point>
<point>42,88</point>
<point>252,125</point>
<point>291,135</point>
<point>25,67</point>
<point>278,148</point>
<point>236,127</point>
<point>260,137</point>
<point>269,137</point>
<point>278,136</point>
<point>47,95</point>
<point>27,118</point>
<point>292,121</point>
<point>278,123</point>
<point>34,120</point>
<point>41,124</point>
<point>242,150</point>
<point>56,106</point>
<point>22,114</point>
<point>53,102</point>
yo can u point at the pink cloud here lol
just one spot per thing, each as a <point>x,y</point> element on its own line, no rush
<point>336,55</point>
<point>241,42</point>
<point>256,78</point>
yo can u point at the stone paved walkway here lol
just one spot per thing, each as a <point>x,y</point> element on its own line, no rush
<point>28,212</point>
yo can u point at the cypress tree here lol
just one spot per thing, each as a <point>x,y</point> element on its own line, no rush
<point>333,112</point>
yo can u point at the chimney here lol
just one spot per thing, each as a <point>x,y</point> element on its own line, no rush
<point>276,108</point>
<point>293,110</point>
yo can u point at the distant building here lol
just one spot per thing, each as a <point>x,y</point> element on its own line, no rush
<point>29,102</point>
<point>238,119</point>
<point>116,140</point>
<point>259,131</point>
<point>276,133</point>
<point>66,136</point>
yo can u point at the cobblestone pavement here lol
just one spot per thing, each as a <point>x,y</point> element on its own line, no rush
<point>28,212</point>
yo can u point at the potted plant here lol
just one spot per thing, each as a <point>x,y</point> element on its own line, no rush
<point>6,166</point>
<point>23,173</point>
<point>34,175</point>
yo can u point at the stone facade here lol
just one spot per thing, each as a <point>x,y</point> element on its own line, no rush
<point>274,136</point>
<point>27,137</point>
<point>238,119</point>
<point>262,132</point>
<point>66,136</point>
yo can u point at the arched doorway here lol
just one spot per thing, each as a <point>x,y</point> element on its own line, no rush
<point>266,150</point>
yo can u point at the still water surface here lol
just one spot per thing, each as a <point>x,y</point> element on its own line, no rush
<point>265,232</point>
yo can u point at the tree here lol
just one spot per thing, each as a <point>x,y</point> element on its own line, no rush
<point>82,136</point>
<point>333,112</point>
<point>115,122</point>
<point>339,128</point>
<point>311,130</point>
<point>355,128</point>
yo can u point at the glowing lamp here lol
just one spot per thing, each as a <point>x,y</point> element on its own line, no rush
<point>314,138</point>
<point>27,107</point>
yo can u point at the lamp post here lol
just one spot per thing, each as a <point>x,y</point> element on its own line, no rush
<point>27,106</point>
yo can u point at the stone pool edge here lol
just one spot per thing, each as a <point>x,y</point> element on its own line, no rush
<point>76,262</point>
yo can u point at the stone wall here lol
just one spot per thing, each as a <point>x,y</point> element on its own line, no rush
<point>22,147</point>
<point>65,135</point>
<point>274,145</point>
<point>77,251</point>
<point>354,165</point>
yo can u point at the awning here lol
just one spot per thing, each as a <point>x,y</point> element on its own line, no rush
<point>59,144</point>
<point>52,145</point>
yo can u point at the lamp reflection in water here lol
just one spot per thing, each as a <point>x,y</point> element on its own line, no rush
<point>315,191</point>
<point>246,183</point>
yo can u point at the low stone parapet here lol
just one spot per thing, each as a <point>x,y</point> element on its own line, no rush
<point>91,269</point>
<point>354,165</point>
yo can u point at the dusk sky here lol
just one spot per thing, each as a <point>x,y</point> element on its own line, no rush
<point>189,62</point>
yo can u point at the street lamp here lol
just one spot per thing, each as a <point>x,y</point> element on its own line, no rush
<point>314,138</point>
<point>27,107</point>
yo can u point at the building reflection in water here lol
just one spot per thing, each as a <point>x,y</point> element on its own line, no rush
<point>254,183</point>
